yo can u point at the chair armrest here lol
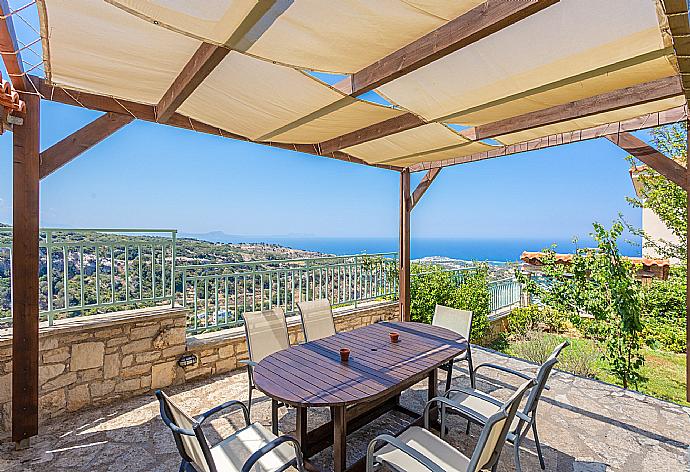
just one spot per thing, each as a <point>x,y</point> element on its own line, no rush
<point>462,409</point>
<point>524,417</point>
<point>474,393</point>
<point>254,458</point>
<point>507,370</point>
<point>248,363</point>
<point>204,416</point>
<point>401,446</point>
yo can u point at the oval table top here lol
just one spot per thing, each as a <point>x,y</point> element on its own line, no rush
<point>312,374</point>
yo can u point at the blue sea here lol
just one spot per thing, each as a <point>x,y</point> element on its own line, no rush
<point>498,250</point>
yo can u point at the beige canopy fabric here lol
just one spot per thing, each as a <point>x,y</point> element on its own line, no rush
<point>262,90</point>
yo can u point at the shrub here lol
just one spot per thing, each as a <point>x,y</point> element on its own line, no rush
<point>582,357</point>
<point>431,285</point>
<point>663,313</point>
<point>537,318</point>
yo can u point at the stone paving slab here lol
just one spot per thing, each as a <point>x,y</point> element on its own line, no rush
<point>585,426</point>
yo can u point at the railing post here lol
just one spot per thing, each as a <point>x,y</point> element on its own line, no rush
<point>49,263</point>
<point>173,270</point>
<point>356,281</point>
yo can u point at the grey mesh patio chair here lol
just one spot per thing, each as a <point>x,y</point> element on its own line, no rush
<point>317,319</point>
<point>419,450</point>
<point>459,321</point>
<point>251,448</point>
<point>482,406</point>
<point>266,332</point>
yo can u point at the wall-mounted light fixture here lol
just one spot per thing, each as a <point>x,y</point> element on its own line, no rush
<point>187,360</point>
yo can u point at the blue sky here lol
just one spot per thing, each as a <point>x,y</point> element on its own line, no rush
<point>153,176</point>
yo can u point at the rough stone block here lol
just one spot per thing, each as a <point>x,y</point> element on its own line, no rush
<point>226,365</point>
<point>46,343</point>
<point>60,381</point>
<point>90,374</point>
<point>100,389</point>
<point>128,360</point>
<point>147,357</point>
<point>169,337</point>
<point>50,371</point>
<point>87,355</point>
<point>5,388</point>
<point>192,374</point>
<point>226,351</point>
<point>60,354</point>
<point>128,385</point>
<point>52,402</point>
<point>78,397</point>
<point>173,351</point>
<point>135,371</point>
<point>111,366</point>
<point>139,345</point>
<point>163,375</point>
<point>144,332</point>
<point>117,341</point>
<point>108,333</point>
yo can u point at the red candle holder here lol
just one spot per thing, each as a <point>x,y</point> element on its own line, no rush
<point>395,337</point>
<point>344,355</point>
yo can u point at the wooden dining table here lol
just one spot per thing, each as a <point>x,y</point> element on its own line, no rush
<point>360,390</point>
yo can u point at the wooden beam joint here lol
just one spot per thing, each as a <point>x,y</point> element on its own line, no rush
<point>664,165</point>
<point>423,186</point>
<point>81,140</point>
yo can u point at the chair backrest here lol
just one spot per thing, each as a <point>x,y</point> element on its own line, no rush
<point>453,319</point>
<point>541,378</point>
<point>192,446</point>
<point>317,319</point>
<point>266,333</point>
<point>493,435</point>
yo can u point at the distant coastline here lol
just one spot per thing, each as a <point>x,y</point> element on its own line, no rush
<point>491,250</point>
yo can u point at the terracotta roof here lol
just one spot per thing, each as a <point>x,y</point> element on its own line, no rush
<point>9,98</point>
<point>534,258</point>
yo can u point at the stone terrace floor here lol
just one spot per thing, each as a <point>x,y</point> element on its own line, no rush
<point>585,426</point>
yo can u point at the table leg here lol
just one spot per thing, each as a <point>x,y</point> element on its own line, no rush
<point>274,416</point>
<point>301,427</point>
<point>432,391</point>
<point>339,438</point>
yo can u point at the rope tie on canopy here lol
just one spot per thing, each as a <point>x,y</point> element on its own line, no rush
<point>17,10</point>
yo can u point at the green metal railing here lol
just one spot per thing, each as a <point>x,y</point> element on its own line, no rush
<point>217,294</point>
<point>84,271</point>
<point>87,270</point>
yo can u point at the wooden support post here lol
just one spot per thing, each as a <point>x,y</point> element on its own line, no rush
<point>404,253</point>
<point>25,275</point>
<point>687,270</point>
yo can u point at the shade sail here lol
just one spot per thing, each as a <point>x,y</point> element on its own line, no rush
<point>572,50</point>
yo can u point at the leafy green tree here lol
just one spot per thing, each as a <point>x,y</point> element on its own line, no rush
<point>431,285</point>
<point>600,283</point>
<point>666,199</point>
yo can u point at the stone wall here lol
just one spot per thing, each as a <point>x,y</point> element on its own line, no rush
<point>99,359</point>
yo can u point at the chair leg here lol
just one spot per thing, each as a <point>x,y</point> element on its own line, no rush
<point>251,388</point>
<point>449,377</point>
<point>516,452</point>
<point>470,366</point>
<point>469,423</point>
<point>536,441</point>
<point>274,416</point>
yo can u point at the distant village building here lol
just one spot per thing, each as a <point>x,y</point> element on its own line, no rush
<point>652,225</point>
<point>648,268</point>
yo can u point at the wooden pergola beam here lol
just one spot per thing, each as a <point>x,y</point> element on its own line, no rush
<point>664,165</point>
<point>148,113</point>
<point>81,140</point>
<point>478,23</point>
<point>25,264</point>
<point>9,49</point>
<point>404,249</point>
<point>468,28</point>
<point>618,99</point>
<point>649,120</point>
<point>208,56</point>
<point>606,102</point>
<point>423,186</point>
